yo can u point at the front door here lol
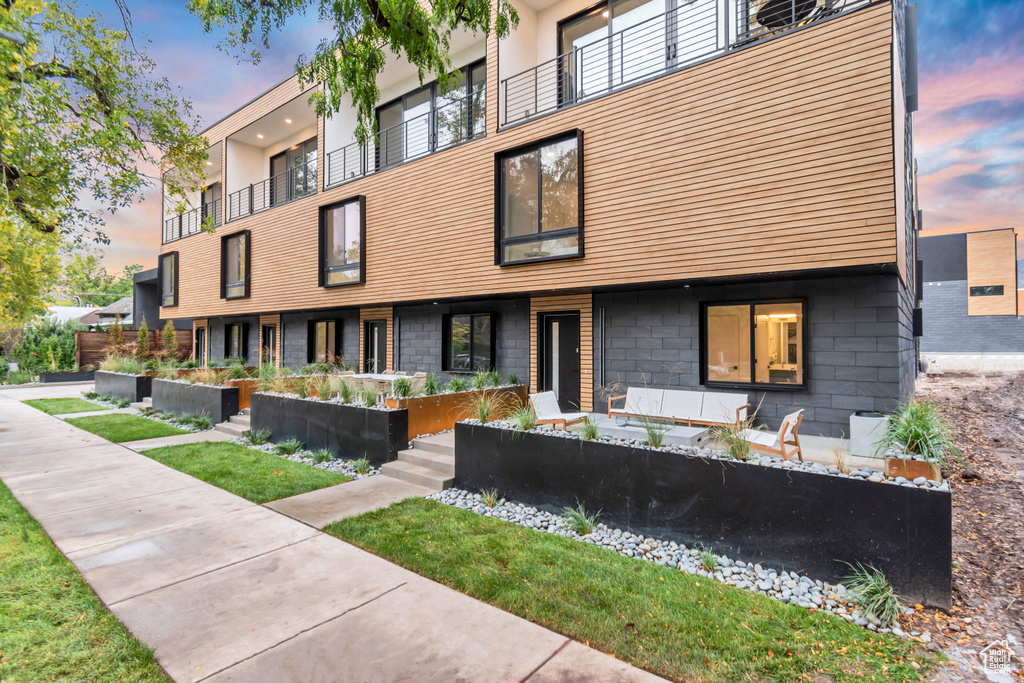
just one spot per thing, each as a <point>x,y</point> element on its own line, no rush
<point>200,346</point>
<point>560,358</point>
<point>375,346</point>
<point>269,346</point>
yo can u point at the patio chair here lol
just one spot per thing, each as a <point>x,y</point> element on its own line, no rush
<point>545,405</point>
<point>778,443</point>
<point>401,373</point>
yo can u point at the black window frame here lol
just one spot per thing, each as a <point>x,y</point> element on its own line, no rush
<point>446,345</point>
<point>160,278</point>
<point>272,353</point>
<point>224,264</point>
<point>499,193</point>
<point>243,341</point>
<point>983,290</point>
<point>322,243</point>
<point>289,193</point>
<point>754,385</point>
<point>311,350</point>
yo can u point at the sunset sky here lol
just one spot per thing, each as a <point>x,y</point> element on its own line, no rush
<point>969,131</point>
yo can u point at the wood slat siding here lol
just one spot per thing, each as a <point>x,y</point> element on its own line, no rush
<point>992,260</point>
<point>1020,302</point>
<point>778,157</point>
<point>584,303</point>
<point>274,320</point>
<point>381,313</point>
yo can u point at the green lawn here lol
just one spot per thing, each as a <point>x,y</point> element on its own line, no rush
<point>121,427</point>
<point>60,406</point>
<point>52,626</point>
<point>688,628</point>
<point>254,475</point>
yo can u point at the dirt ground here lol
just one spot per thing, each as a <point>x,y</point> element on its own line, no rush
<point>987,414</point>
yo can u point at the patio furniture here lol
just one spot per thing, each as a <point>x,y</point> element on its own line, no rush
<point>545,405</point>
<point>701,407</point>
<point>777,443</point>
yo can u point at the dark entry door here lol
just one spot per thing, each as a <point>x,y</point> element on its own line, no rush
<point>375,352</point>
<point>200,346</point>
<point>560,353</point>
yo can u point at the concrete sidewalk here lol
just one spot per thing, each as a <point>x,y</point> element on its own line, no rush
<point>226,590</point>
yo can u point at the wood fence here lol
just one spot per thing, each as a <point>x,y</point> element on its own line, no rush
<point>91,347</point>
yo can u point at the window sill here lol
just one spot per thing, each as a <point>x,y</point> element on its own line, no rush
<point>756,387</point>
<point>546,259</point>
<point>344,284</point>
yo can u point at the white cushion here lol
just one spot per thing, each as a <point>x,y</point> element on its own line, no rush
<point>643,401</point>
<point>719,407</point>
<point>545,404</point>
<point>682,405</point>
<point>760,438</point>
<point>789,423</point>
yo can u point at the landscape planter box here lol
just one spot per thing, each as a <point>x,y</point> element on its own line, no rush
<point>433,414</point>
<point>245,387</point>
<point>132,387</point>
<point>348,431</point>
<point>912,469</point>
<point>51,377</point>
<point>791,520</point>
<point>219,403</point>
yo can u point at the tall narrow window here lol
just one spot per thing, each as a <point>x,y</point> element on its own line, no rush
<point>167,275</point>
<point>469,342</point>
<point>324,341</point>
<point>199,346</point>
<point>539,197</point>
<point>236,341</point>
<point>293,172</point>
<point>268,344</point>
<point>754,343</point>
<point>235,265</point>
<point>342,240</point>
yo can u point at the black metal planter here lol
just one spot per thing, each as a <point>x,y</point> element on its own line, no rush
<point>51,377</point>
<point>798,521</point>
<point>132,387</point>
<point>220,403</point>
<point>348,431</point>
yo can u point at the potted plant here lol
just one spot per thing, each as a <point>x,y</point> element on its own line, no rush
<point>923,435</point>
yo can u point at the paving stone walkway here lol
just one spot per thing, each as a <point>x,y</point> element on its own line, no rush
<point>225,590</point>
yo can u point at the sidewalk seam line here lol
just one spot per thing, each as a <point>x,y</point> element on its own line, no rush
<point>545,662</point>
<point>113,502</point>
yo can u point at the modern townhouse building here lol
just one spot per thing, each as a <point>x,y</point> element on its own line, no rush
<point>672,193</point>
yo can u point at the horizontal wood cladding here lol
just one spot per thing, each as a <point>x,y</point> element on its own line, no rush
<point>584,304</point>
<point>385,313</point>
<point>778,157</point>
<point>992,261</point>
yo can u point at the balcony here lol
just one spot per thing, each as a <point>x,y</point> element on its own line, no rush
<point>649,44</point>
<point>192,222</point>
<point>294,183</point>
<point>206,198</point>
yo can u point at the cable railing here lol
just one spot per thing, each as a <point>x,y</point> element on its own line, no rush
<point>693,32</point>
<point>192,222</point>
<point>295,183</point>
<point>456,121</point>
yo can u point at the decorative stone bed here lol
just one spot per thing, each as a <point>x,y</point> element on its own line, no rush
<point>795,517</point>
<point>121,385</point>
<point>305,456</point>
<point>156,417</point>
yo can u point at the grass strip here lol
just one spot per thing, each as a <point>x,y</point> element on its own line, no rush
<point>254,475</point>
<point>687,628</point>
<point>62,406</point>
<point>121,427</point>
<point>52,626</point>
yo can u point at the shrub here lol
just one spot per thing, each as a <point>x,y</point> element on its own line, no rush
<point>513,378</point>
<point>431,386</point>
<point>91,395</point>
<point>708,559</point>
<point>169,341</point>
<point>490,497</point>
<point>456,384</point>
<point>731,435</point>
<point>142,340</point>
<point>235,369</point>
<point>579,520</point>
<point>487,406</point>
<point>524,418</point>
<point>321,386</point>
<point>115,335</point>
<point>346,392</point>
<point>919,429</point>
<point>494,378</point>
<point>121,402</point>
<point>869,587</point>
<point>300,385</point>
<point>369,395</point>
<point>322,455</point>
<point>402,387</point>
<point>289,447</point>
<point>266,373</point>
<point>147,411</point>
<point>20,377</point>
<point>591,431</point>
<point>167,370</point>
<point>361,466</point>
<point>655,432</point>
<point>257,437</point>
<point>201,422</point>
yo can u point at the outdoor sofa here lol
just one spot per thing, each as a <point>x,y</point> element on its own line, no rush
<point>689,407</point>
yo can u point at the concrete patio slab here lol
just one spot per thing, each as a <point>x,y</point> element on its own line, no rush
<point>193,437</point>
<point>126,568</point>
<point>320,508</point>
<point>206,624</point>
<point>577,663</point>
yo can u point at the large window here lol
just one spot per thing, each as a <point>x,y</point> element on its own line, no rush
<point>754,343</point>
<point>234,265</point>
<point>324,341</point>
<point>342,242</point>
<point>236,341</point>
<point>469,342</point>
<point>293,172</point>
<point>167,275</point>
<point>540,208</point>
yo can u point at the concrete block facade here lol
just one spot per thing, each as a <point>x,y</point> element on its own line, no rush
<point>215,329</point>
<point>294,333</point>
<point>948,329</point>
<point>860,349</point>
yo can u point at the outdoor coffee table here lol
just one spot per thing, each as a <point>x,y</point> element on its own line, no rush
<point>675,436</point>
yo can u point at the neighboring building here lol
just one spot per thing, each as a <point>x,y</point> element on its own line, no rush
<point>972,296</point>
<point>119,311</point>
<point>714,194</point>
<point>63,314</point>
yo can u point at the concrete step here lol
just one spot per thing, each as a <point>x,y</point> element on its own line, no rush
<point>442,444</point>
<point>148,401</point>
<point>231,428</point>
<point>240,420</point>
<point>414,474</point>
<point>139,406</point>
<point>442,464</point>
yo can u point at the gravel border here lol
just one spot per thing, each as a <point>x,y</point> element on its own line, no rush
<point>154,417</point>
<point>339,465</point>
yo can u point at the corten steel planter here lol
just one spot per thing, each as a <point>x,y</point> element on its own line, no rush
<point>348,431</point>
<point>132,387</point>
<point>245,389</point>
<point>912,469</point>
<point>788,519</point>
<point>51,377</point>
<point>220,403</point>
<point>433,414</point>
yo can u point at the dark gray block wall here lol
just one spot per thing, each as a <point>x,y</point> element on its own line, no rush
<point>295,331</point>
<point>860,349</point>
<point>948,328</point>
<point>216,331</point>
<point>418,335</point>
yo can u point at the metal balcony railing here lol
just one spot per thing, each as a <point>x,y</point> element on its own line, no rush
<point>295,183</point>
<point>191,222</point>
<point>452,123</point>
<point>695,31</point>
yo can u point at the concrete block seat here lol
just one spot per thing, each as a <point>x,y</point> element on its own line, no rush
<point>701,407</point>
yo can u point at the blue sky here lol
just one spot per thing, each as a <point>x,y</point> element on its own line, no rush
<point>969,132</point>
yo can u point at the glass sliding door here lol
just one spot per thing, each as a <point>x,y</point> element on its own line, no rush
<point>585,70</point>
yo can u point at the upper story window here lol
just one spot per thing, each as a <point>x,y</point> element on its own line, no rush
<point>342,242</point>
<point>293,173</point>
<point>234,265</point>
<point>987,290</point>
<point>167,276</point>
<point>540,201</point>
<point>469,342</point>
<point>754,344</point>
